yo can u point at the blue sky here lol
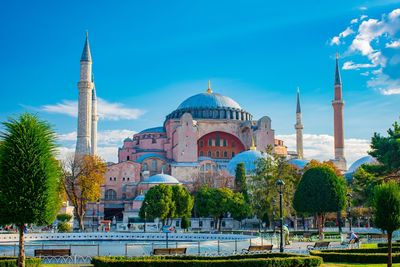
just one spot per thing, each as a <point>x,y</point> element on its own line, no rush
<point>148,56</point>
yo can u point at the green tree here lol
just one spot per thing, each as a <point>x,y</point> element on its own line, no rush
<point>240,180</point>
<point>82,176</point>
<point>158,203</point>
<point>386,205</point>
<point>29,175</point>
<point>201,201</point>
<point>239,208</point>
<point>185,223</point>
<point>320,191</point>
<point>363,184</point>
<point>262,189</point>
<point>387,151</point>
<point>182,200</point>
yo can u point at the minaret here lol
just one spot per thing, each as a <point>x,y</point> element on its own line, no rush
<point>299,128</point>
<point>338,106</point>
<point>95,117</point>
<point>85,87</point>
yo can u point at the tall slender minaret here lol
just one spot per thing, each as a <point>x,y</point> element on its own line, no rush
<point>299,128</point>
<point>338,106</point>
<point>85,87</point>
<point>94,120</point>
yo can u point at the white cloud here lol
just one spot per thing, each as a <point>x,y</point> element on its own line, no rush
<point>394,44</point>
<point>321,146</point>
<point>350,65</point>
<point>363,8</point>
<point>373,38</point>
<point>108,142</point>
<point>385,84</point>
<point>336,39</point>
<point>106,110</point>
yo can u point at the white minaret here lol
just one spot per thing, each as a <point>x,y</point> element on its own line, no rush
<point>299,128</point>
<point>85,86</point>
<point>94,120</point>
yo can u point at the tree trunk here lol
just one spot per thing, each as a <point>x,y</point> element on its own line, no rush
<point>320,221</point>
<point>339,220</point>
<point>81,223</point>
<point>21,254</point>
<point>389,264</point>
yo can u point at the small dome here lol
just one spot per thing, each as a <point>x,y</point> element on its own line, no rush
<point>139,198</point>
<point>298,163</point>
<point>154,130</point>
<point>127,139</point>
<point>249,158</point>
<point>161,179</point>
<point>209,100</point>
<point>364,160</point>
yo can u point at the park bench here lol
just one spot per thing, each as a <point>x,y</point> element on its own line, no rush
<point>169,251</point>
<point>377,236</point>
<point>252,249</point>
<point>319,245</point>
<point>52,252</point>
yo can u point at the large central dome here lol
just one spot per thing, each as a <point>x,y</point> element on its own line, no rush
<point>211,105</point>
<point>209,100</point>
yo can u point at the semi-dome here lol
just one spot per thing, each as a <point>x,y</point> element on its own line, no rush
<point>209,100</point>
<point>298,163</point>
<point>364,160</point>
<point>160,129</point>
<point>249,158</point>
<point>161,178</point>
<point>139,198</point>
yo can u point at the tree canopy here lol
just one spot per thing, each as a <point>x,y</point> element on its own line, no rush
<point>386,205</point>
<point>29,175</point>
<point>83,175</point>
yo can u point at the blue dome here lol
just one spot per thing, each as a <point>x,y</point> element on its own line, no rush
<point>249,158</point>
<point>161,179</point>
<point>298,163</point>
<point>139,198</point>
<point>141,158</point>
<point>364,160</point>
<point>209,100</point>
<point>154,130</point>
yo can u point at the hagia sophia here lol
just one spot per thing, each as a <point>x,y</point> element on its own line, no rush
<point>201,141</point>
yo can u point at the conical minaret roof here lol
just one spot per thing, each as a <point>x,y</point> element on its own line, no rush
<point>338,80</point>
<point>298,109</point>
<point>86,56</point>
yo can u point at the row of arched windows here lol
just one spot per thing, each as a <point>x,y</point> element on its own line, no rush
<point>217,154</point>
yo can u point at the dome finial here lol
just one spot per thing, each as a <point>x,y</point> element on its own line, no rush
<point>209,87</point>
<point>253,146</point>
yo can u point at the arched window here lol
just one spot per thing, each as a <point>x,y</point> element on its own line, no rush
<point>111,194</point>
<point>233,154</point>
<point>201,143</point>
<point>201,153</point>
<point>209,154</point>
<point>225,142</point>
<point>225,154</point>
<point>154,165</point>
<point>217,154</point>
<point>127,157</point>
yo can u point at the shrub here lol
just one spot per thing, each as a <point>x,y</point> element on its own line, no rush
<point>12,262</point>
<point>368,255</point>
<point>64,227</point>
<point>64,217</point>
<point>385,245</point>
<point>256,260</point>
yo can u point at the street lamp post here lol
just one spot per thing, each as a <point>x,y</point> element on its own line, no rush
<point>348,195</point>
<point>145,216</point>
<point>280,184</point>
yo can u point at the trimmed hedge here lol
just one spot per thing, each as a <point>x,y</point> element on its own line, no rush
<point>254,260</point>
<point>367,255</point>
<point>385,245</point>
<point>12,262</point>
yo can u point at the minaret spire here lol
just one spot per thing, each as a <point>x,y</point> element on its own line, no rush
<point>94,120</point>
<point>338,119</point>
<point>85,86</point>
<point>299,128</point>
